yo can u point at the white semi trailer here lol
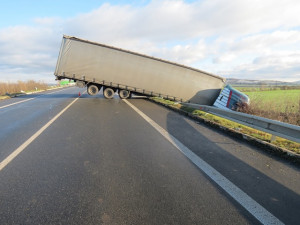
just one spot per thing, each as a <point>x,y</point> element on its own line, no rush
<point>99,66</point>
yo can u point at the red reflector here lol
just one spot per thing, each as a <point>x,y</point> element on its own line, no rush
<point>229,98</point>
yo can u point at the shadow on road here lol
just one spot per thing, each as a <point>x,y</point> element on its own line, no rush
<point>274,196</point>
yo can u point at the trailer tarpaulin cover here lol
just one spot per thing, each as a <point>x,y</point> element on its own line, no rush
<point>98,62</point>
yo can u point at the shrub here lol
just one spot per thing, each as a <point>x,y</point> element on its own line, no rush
<point>21,86</point>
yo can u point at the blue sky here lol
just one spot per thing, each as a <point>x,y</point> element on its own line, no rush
<point>248,39</point>
<point>20,12</point>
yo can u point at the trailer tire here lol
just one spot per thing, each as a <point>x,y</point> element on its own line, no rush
<point>108,93</point>
<point>92,89</point>
<point>124,94</point>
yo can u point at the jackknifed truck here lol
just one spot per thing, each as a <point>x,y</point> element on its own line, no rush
<point>95,66</point>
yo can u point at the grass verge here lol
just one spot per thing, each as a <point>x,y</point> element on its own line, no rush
<point>4,97</point>
<point>8,95</point>
<point>236,127</point>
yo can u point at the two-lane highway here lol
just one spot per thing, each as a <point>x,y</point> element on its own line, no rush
<point>90,160</point>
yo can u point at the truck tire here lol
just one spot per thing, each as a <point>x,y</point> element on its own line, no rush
<point>108,93</point>
<point>124,94</point>
<point>92,89</point>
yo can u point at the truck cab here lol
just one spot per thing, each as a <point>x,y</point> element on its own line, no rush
<point>231,98</point>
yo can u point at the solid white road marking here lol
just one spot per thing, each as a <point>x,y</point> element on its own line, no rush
<point>16,103</point>
<point>16,152</point>
<point>1,107</point>
<point>259,212</point>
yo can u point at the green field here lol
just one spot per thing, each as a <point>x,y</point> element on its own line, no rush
<point>286,101</point>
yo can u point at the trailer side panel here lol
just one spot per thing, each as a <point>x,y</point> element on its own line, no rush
<point>100,63</point>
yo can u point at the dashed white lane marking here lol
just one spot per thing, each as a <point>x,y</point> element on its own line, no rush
<point>16,152</point>
<point>259,212</point>
<point>1,107</point>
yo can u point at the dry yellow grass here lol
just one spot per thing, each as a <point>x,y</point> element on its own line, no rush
<point>21,86</point>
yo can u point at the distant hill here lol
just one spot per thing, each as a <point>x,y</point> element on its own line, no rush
<point>244,82</point>
<point>296,82</point>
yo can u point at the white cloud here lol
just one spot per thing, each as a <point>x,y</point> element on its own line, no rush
<point>242,38</point>
<point>261,43</point>
<point>183,54</point>
<point>27,52</point>
<point>272,55</point>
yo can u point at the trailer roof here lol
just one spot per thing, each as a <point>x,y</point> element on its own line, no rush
<point>139,54</point>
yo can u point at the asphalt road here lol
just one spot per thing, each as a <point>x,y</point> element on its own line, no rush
<point>100,162</point>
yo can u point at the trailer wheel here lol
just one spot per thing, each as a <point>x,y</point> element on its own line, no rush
<point>108,93</point>
<point>92,89</point>
<point>124,94</point>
